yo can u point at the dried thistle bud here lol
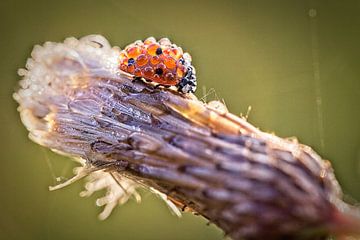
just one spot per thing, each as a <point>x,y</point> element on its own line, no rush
<point>74,100</point>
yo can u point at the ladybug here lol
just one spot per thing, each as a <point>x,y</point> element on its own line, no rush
<point>161,62</point>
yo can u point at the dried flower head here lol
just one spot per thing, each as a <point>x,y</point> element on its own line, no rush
<point>74,100</point>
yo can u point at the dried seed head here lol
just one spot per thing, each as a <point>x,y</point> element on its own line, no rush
<point>74,100</point>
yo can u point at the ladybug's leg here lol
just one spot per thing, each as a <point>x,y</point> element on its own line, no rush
<point>157,86</point>
<point>135,79</point>
<point>161,85</point>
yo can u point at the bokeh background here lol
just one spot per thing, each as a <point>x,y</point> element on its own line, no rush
<point>296,63</point>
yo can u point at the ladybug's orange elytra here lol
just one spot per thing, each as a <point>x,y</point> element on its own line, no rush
<point>161,62</point>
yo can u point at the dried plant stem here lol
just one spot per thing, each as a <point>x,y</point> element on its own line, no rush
<point>252,184</point>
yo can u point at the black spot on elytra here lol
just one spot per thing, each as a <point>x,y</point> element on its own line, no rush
<point>158,51</point>
<point>159,71</point>
<point>131,61</point>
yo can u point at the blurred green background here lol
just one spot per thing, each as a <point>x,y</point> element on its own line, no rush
<point>296,63</point>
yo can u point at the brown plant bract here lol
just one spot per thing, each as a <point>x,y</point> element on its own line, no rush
<point>253,185</point>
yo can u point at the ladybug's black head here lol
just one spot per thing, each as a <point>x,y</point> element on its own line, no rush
<point>188,83</point>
